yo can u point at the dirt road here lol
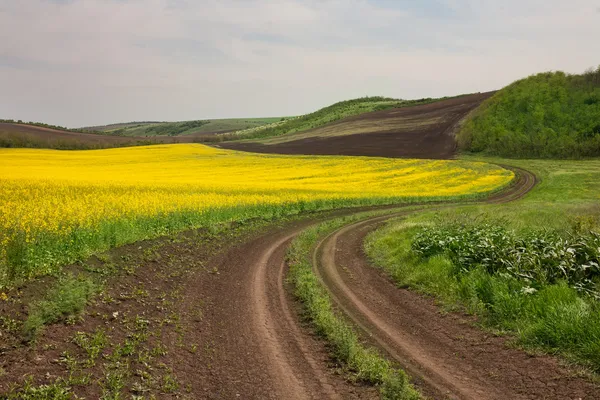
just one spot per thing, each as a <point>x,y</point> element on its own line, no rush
<point>445,354</point>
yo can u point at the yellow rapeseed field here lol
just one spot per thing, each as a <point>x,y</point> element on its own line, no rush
<point>49,196</point>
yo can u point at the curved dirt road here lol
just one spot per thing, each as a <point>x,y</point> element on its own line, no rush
<point>444,354</point>
<point>266,350</point>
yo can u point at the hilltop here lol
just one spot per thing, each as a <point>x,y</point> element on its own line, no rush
<point>548,115</point>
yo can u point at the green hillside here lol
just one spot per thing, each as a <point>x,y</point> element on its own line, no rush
<point>548,115</point>
<point>332,113</point>
<point>183,127</point>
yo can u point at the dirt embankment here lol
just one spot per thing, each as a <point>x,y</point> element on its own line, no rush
<point>425,131</point>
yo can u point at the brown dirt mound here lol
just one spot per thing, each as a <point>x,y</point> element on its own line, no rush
<point>425,131</point>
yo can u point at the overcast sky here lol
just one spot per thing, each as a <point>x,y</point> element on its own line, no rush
<point>86,62</point>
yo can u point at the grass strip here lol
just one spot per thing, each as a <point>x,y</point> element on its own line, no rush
<point>365,363</point>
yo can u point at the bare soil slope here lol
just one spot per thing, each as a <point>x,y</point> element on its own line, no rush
<point>425,131</point>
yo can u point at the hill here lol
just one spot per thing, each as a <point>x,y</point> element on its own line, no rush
<point>369,127</point>
<point>33,136</point>
<point>206,127</point>
<point>548,115</point>
<point>324,116</point>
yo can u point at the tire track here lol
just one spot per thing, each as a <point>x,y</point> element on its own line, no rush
<point>446,354</point>
<point>260,320</point>
<point>265,350</point>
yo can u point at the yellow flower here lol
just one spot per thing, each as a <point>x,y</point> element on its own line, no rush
<point>58,192</point>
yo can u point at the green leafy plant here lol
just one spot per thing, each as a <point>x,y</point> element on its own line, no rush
<point>538,258</point>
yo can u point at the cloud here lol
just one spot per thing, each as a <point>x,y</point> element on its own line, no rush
<point>84,62</point>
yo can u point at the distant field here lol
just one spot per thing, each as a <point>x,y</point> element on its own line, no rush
<point>15,135</point>
<point>210,126</point>
<point>323,117</point>
<point>369,127</point>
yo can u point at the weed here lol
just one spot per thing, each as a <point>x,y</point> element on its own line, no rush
<point>91,344</point>
<point>169,384</point>
<point>9,325</point>
<point>67,298</point>
<point>114,380</point>
<point>59,390</point>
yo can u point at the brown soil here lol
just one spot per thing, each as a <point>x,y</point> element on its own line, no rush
<point>22,135</point>
<point>217,309</point>
<point>402,132</point>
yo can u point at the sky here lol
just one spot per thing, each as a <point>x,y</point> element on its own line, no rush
<point>91,62</point>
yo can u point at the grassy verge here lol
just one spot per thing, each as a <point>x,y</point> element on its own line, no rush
<point>532,287</point>
<point>365,363</point>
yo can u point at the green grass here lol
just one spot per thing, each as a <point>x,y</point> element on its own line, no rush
<point>568,193</point>
<point>551,316</point>
<point>366,364</point>
<point>323,116</point>
<point>549,115</point>
<point>185,127</point>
